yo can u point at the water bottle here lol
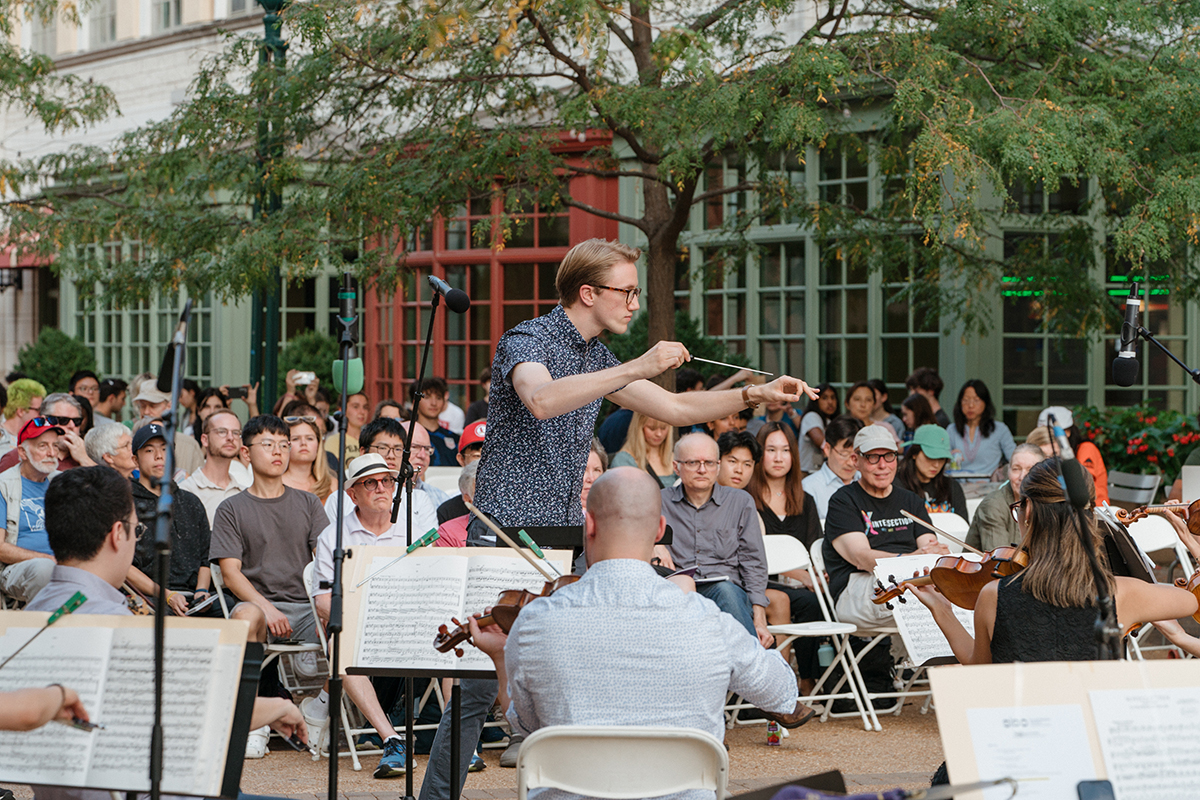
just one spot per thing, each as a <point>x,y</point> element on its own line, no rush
<point>825,654</point>
<point>773,733</point>
<point>956,459</point>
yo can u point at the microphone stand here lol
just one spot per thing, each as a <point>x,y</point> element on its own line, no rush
<point>347,342</point>
<point>162,549</point>
<point>1194,374</point>
<point>407,475</point>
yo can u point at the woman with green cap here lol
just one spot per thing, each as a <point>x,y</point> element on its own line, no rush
<point>924,471</point>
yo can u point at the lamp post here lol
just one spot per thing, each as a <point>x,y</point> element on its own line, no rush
<point>264,321</point>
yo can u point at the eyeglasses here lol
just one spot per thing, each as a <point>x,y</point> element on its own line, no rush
<point>699,464</point>
<point>1015,510</point>
<point>873,458</point>
<point>630,294</point>
<point>54,419</point>
<point>226,433</point>
<point>390,450</point>
<point>417,448</point>
<point>371,484</point>
<point>269,445</point>
<point>298,420</point>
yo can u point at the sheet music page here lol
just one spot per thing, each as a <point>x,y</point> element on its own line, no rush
<point>1044,747</point>
<point>74,657</point>
<point>121,754</point>
<point>487,577</point>
<point>921,635</point>
<point>1148,739</point>
<point>403,608</point>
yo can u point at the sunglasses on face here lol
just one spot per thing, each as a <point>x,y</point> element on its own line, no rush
<point>55,419</point>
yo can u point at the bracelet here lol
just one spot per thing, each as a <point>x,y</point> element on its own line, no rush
<point>746,397</point>
<point>61,689</point>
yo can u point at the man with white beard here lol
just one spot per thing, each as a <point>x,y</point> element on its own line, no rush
<point>26,560</point>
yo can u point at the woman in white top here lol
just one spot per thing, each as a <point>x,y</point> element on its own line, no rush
<point>980,441</point>
<point>812,427</point>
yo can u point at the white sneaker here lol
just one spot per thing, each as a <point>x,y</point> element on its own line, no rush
<point>256,742</point>
<point>307,663</point>
<point>316,727</point>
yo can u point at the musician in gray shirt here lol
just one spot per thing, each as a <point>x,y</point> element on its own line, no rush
<point>716,529</point>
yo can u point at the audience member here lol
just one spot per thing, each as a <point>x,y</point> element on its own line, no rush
<point>389,408</point>
<point>926,382</point>
<point>24,403</point>
<point>993,525</point>
<point>982,441</point>
<point>811,435</point>
<point>190,532</point>
<point>358,413</point>
<point>299,392</point>
<point>370,483</point>
<point>915,412</point>
<point>452,418</point>
<point>26,555</point>
<point>1085,451</point>
<point>734,422</point>
<point>739,452</point>
<point>865,524</point>
<point>189,396</point>
<point>208,401</point>
<point>860,404</point>
<point>263,537</point>
<point>84,383</point>
<point>65,412</point>
<point>89,420</point>
<point>615,428</point>
<point>688,380</point>
<point>616,613</point>
<point>432,403</point>
<point>385,437</point>
<point>597,464</point>
<point>779,411</point>
<point>112,446</point>
<point>841,463</point>
<point>470,445</point>
<point>883,411</point>
<point>648,446</point>
<point>452,532</point>
<point>308,469</point>
<point>111,400</point>
<point>478,409</point>
<point>215,482</point>
<point>151,405</point>
<point>716,530</point>
<point>923,472</point>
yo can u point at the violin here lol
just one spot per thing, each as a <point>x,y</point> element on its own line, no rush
<point>958,578</point>
<point>1192,584</point>
<point>1191,513</point>
<point>504,613</point>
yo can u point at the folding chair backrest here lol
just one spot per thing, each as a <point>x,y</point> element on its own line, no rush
<point>817,571</point>
<point>784,553</point>
<point>218,586</point>
<point>952,524</point>
<point>1125,487</point>
<point>621,761</point>
<point>1153,533</point>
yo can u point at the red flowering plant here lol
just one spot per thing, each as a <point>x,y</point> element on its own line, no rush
<point>1141,440</point>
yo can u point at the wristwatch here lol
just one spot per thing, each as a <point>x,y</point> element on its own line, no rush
<point>746,397</point>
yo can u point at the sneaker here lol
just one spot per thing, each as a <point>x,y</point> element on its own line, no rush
<point>307,663</point>
<point>509,757</point>
<point>256,742</point>
<point>477,764</point>
<point>394,762</point>
<point>316,727</point>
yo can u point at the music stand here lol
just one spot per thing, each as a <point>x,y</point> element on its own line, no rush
<point>560,537</point>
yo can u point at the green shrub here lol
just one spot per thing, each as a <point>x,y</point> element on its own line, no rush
<point>1140,440</point>
<point>54,358</point>
<point>310,351</point>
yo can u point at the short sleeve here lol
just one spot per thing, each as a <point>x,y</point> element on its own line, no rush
<point>842,516</point>
<point>812,521</point>
<point>517,347</point>
<point>809,421</point>
<point>226,542</point>
<point>323,566</point>
<point>317,520</point>
<point>1007,444</point>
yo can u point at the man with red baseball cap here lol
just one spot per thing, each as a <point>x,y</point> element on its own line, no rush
<point>26,560</point>
<point>470,446</point>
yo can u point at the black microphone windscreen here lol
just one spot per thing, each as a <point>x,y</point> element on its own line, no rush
<point>163,384</point>
<point>1076,484</point>
<point>457,301</point>
<point>1125,371</point>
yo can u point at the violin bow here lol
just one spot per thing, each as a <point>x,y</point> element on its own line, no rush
<point>425,541</point>
<point>504,537</point>
<point>941,532</point>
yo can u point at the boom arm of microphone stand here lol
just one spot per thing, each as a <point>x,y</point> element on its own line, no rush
<point>1194,374</point>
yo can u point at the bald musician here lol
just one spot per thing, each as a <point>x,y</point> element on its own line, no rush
<point>619,618</point>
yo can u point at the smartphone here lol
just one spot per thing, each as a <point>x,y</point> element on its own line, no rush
<point>305,378</point>
<point>238,392</point>
<point>1095,790</point>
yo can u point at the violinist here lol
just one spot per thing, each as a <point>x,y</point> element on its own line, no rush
<point>1047,612</point>
<point>616,619</point>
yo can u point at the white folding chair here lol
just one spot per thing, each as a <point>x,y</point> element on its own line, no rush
<point>622,761</point>
<point>1125,488</point>
<point>444,478</point>
<point>952,524</point>
<point>1150,534</point>
<point>972,506</point>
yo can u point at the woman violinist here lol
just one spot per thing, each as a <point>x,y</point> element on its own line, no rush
<point>1047,612</point>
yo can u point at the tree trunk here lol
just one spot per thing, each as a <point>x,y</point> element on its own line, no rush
<point>666,222</point>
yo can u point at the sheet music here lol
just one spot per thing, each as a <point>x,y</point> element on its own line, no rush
<point>73,657</point>
<point>487,578</point>
<point>404,605</point>
<point>1147,737</point>
<point>921,635</point>
<point>1044,747</point>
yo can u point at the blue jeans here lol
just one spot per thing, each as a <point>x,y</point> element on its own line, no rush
<point>478,694</point>
<point>733,600</point>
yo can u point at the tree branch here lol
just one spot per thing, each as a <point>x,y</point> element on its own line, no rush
<point>640,224</point>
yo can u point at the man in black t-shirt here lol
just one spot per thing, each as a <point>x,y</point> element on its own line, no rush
<point>865,524</point>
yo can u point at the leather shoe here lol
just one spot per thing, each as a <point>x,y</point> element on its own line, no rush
<point>801,715</point>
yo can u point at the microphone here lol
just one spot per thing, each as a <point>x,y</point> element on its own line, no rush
<point>1073,482</point>
<point>347,315</point>
<point>163,384</point>
<point>1125,366</point>
<point>456,299</point>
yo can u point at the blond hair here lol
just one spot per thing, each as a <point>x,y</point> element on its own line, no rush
<point>587,264</point>
<point>322,483</point>
<point>635,443</point>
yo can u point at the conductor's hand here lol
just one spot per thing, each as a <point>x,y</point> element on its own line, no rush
<point>490,638</point>
<point>660,358</point>
<point>784,389</point>
<point>277,623</point>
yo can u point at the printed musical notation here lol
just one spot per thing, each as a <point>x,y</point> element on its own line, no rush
<point>921,635</point>
<point>1146,736</point>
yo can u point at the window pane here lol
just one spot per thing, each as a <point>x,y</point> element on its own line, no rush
<point>480,320</point>
<point>1068,361</point>
<point>1022,360</point>
<point>856,359</point>
<point>831,360</point>
<point>856,311</point>
<point>716,320</point>
<point>768,323</point>
<point>518,282</point>
<point>795,313</point>
<point>831,312</point>
<point>517,314</point>
<point>554,231</point>
<point>768,357</point>
<point>925,353</point>
<point>795,356</point>
<point>546,275</point>
<point>769,275</point>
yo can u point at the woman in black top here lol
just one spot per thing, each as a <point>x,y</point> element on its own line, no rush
<point>923,471</point>
<point>1047,612</point>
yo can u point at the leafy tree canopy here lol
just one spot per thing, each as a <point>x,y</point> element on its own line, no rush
<point>390,112</point>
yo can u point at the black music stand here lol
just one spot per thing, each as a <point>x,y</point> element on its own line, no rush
<point>560,537</point>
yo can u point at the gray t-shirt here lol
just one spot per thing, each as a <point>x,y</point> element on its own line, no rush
<point>274,540</point>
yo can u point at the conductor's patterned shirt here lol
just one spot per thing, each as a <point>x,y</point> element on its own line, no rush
<point>531,470</point>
